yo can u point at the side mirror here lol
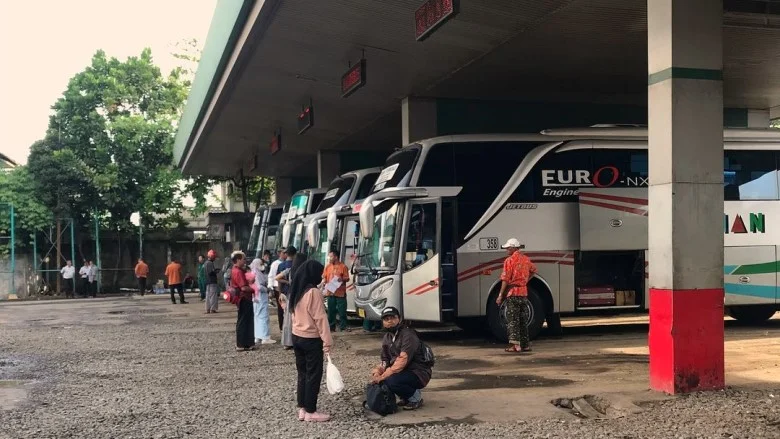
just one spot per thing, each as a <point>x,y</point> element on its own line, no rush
<point>331,225</point>
<point>286,235</point>
<point>312,232</point>
<point>367,219</point>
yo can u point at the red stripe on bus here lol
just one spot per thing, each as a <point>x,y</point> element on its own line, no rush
<point>631,200</point>
<point>480,266</point>
<point>422,289</point>
<point>633,210</point>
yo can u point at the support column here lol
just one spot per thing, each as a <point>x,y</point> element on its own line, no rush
<point>418,119</point>
<point>328,167</point>
<point>283,192</point>
<point>685,98</point>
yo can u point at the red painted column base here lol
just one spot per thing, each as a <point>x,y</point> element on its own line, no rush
<point>686,340</point>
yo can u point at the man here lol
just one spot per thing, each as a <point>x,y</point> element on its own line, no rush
<point>518,270</point>
<point>284,263</point>
<point>402,368</point>
<point>212,287</point>
<point>334,286</point>
<point>84,279</point>
<point>141,273</point>
<point>173,272</point>
<point>201,278</point>
<point>92,277</point>
<point>68,272</point>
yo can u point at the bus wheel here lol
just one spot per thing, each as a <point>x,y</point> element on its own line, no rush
<point>497,315</point>
<point>752,314</point>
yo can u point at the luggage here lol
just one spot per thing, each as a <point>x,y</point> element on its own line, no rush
<point>380,400</point>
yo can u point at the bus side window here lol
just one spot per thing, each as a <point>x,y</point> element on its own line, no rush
<point>750,175</point>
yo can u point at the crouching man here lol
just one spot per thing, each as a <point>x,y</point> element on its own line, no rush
<point>402,369</point>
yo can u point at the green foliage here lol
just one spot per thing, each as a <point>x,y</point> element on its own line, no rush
<point>109,145</point>
<point>17,188</point>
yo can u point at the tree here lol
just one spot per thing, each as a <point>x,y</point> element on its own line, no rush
<point>116,123</point>
<point>17,188</point>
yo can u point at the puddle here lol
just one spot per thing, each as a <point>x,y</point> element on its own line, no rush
<point>470,381</point>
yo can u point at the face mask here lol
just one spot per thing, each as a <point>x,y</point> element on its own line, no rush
<point>393,328</point>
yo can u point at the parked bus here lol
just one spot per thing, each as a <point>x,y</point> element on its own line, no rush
<point>325,228</point>
<point>303,203</point>
<point>264,236</point>
<point>576,199</point>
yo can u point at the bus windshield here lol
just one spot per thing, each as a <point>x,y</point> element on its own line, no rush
<point>319,252</point>
<point>397,171</point>
<point>380,252</point>
<point>338,193</point>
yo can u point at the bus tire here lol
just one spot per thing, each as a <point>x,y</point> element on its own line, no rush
<point>497,315</point>
<point>752,314</point>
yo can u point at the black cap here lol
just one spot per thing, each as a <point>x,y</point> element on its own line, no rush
<point>390,311</point>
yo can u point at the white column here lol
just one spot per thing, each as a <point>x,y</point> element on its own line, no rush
<point>685,98</point>
<point>418,119</point>
<point>328,167</point>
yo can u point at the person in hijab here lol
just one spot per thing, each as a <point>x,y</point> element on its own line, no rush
<point>260,303</point>
<point>245,331</point>
<point>310,335</point>
<point>285,278</point>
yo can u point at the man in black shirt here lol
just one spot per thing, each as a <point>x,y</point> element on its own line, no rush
<point>212,287</point>
<point>402,368</point>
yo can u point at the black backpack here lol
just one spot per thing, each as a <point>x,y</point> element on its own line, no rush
<point>380,400</point>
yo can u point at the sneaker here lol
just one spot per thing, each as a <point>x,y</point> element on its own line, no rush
<point>268,341</point>
<point>301,414</point>
<point>413,405</point>
<point>316,417</point>
<point>402,403</point>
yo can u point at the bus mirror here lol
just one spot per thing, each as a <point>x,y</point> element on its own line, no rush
<point>367,220</point>
<point>311,233</point>
<point>331,225</point>
<point>286,235</point>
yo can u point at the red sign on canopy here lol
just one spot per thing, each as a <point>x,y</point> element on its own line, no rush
<point>432,14</point>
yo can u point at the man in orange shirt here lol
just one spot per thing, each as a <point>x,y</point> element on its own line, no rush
<point>337,299</point>
<point>518,270</point>
<point>141,273</point>
<point>173,272</point>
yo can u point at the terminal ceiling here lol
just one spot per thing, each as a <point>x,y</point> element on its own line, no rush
<point>529,50</point>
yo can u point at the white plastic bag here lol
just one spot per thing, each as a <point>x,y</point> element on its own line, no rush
<point>333,378</point>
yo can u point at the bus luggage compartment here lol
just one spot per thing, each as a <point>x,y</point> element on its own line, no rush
<point>613,218</point>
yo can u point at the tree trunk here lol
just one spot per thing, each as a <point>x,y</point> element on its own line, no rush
<point>245,195</point>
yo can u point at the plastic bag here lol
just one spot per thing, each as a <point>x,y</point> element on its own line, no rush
<point>333,378</point>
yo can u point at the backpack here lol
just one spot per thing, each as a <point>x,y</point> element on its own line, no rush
<point>380,400</point>
<point>427,358</point>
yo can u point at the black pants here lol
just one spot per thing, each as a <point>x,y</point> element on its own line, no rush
<point>174,289</point>
<point>84,286</point>
<point>308,361</point>
<point>67,287</point>
<point>93,288</point>
<point>404,384</point>
<point>245,324</point>
<point>142,285</point>
<point>279,310</point>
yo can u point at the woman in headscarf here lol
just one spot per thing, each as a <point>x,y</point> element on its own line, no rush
<point>311,337</point>
<point>286,277</point>
<point>245,331</point>
<point>260,303</point>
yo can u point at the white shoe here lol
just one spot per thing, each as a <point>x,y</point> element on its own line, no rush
<point>268,341</point>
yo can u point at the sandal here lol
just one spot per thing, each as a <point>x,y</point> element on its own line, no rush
<point>512,348</point>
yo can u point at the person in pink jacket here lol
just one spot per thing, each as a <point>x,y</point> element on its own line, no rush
<point>310,335</point>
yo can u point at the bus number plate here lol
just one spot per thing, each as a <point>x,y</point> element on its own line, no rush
<point>488,243</point>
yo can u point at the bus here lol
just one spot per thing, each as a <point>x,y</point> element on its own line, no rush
<point>334,220</point>
<point>265,226</point>
<point>302,204</point>
<point>576,199</point>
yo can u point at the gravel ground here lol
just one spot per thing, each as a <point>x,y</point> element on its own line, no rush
<point>152,371</point>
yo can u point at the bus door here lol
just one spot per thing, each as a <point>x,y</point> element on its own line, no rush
<point>349,237</point>
<point>421,261</point>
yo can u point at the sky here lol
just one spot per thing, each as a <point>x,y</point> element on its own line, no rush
<point>44,43</point>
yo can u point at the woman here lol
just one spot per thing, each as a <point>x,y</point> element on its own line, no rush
<point>245,331</point>
<point>282,278</point>
<point>311,337</point>
<point>260,303</point>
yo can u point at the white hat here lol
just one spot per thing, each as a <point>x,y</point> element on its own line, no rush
<point>511,243</point>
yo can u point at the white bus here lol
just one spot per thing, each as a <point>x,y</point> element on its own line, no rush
<point>334,226</point>
<point>576,199</point>
<point>303,203</point>
<point>264,231</point>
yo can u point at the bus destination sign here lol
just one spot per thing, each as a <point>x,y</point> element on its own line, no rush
<point>354,79</point>
<point>432,14</point>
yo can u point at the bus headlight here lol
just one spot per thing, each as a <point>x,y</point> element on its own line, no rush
<point>381,288</point>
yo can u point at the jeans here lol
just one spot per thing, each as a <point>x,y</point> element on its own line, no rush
<point>308,361</point>
<point>337,305</point>
<point>262,331</point>
<point>406,385</point>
